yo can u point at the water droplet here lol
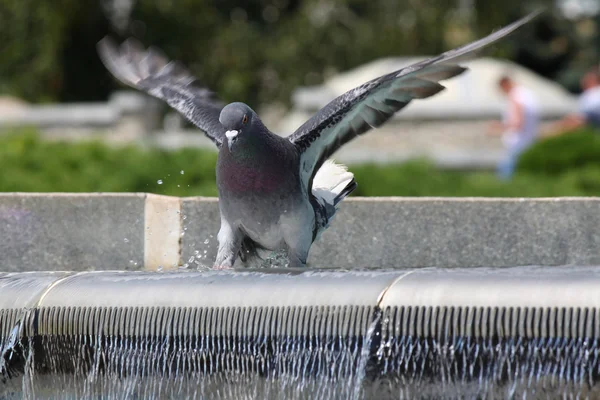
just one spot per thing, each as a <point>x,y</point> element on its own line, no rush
<point>191,259</point>
<point>178,185</point>
<point>206,241</point>
<point>181,172</point>
<point>185,217</point>
<point>126,240</point>
<point>160,268</point>
<point>159,182</point>
<point>205,251</point>
<point>184,266</point>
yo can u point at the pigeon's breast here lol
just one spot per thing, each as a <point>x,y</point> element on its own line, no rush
<point>254,192</point>
<point>245,180</point>
<point>266,172</point>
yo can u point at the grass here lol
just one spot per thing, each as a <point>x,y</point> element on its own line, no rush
<point>564,166</point>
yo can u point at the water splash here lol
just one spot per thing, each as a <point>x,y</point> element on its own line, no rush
<point>365,354</point>
<point>9,350</point>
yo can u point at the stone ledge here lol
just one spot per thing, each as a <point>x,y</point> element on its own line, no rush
<point>41,231</point>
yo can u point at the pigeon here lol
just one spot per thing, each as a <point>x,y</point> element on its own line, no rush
<point>281,192</point>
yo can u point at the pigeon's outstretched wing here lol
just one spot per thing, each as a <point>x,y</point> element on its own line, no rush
<point>152,73</point>
<point>373,103</point>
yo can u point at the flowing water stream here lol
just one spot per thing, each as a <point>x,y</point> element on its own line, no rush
<point>301,367</point>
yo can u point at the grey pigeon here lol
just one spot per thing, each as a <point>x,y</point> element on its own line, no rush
<point>282,192</point>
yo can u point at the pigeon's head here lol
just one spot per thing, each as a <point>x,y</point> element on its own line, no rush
<point>237,119</point>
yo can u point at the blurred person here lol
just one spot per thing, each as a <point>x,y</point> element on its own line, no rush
<point>588,106</point>
<point>519,125</point>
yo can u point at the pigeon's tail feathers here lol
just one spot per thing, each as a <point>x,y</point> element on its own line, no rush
<point>332,184</point>
<point>345,192</point>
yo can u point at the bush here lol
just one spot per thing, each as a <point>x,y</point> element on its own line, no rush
<point>561,154</point>
<point>29,164</point>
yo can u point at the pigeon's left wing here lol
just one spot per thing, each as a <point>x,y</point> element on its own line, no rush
<point>152,73</point>
<point>373,103</point>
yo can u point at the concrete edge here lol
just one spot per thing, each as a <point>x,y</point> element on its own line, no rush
<point>396,232</point>
<point>162,232</point>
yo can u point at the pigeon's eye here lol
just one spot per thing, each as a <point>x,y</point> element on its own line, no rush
<point>244,119</point>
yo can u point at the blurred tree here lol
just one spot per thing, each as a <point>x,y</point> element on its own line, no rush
<point>263,50</point>
<point>84,77</point>
<point>555,46</point>
<point>260,50</point>
<point>48,50</point>
<point>31,39</point>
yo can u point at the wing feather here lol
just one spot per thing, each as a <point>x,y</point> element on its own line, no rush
<point>375,102</point>
<point>150,71</point>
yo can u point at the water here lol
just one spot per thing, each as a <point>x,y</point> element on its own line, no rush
<point>264,365</point>
<point>257,356</point>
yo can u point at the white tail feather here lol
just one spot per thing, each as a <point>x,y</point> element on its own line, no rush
<point>330,180</point>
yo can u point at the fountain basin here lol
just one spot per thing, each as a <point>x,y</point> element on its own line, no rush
<point>417,333</point>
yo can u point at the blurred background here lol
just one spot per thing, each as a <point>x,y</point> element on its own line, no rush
<point>67,125</point>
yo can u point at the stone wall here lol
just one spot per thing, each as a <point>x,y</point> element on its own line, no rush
<point>145,231</point>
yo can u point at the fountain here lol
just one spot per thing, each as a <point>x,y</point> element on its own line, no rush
<point>268,334</point>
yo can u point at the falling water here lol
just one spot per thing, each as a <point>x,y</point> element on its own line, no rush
<point>296,353</point>
<point>285,352</point>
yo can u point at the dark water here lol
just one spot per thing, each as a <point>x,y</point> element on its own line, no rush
<point>304,368</point>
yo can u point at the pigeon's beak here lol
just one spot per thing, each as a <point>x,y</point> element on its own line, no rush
<point>231,138</point>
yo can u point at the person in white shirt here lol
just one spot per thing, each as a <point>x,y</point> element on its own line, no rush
<point>588,112</point>
<point>519,125</point>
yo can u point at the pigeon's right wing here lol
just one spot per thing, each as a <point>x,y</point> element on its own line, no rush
<point>152,73</point>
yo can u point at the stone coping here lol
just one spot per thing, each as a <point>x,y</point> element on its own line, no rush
<point>139,231</point>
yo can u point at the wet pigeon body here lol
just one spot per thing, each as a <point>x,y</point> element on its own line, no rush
<point>282,192</point>
<point>261,199</point>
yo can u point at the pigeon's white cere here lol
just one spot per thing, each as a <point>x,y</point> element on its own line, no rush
<point>231,134</point>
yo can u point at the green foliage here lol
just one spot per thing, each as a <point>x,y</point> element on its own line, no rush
<point>260,50</point>
<point>563,166</point>
<point>48,50</point>
<point>579,149</point>
<point>29,164</point>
